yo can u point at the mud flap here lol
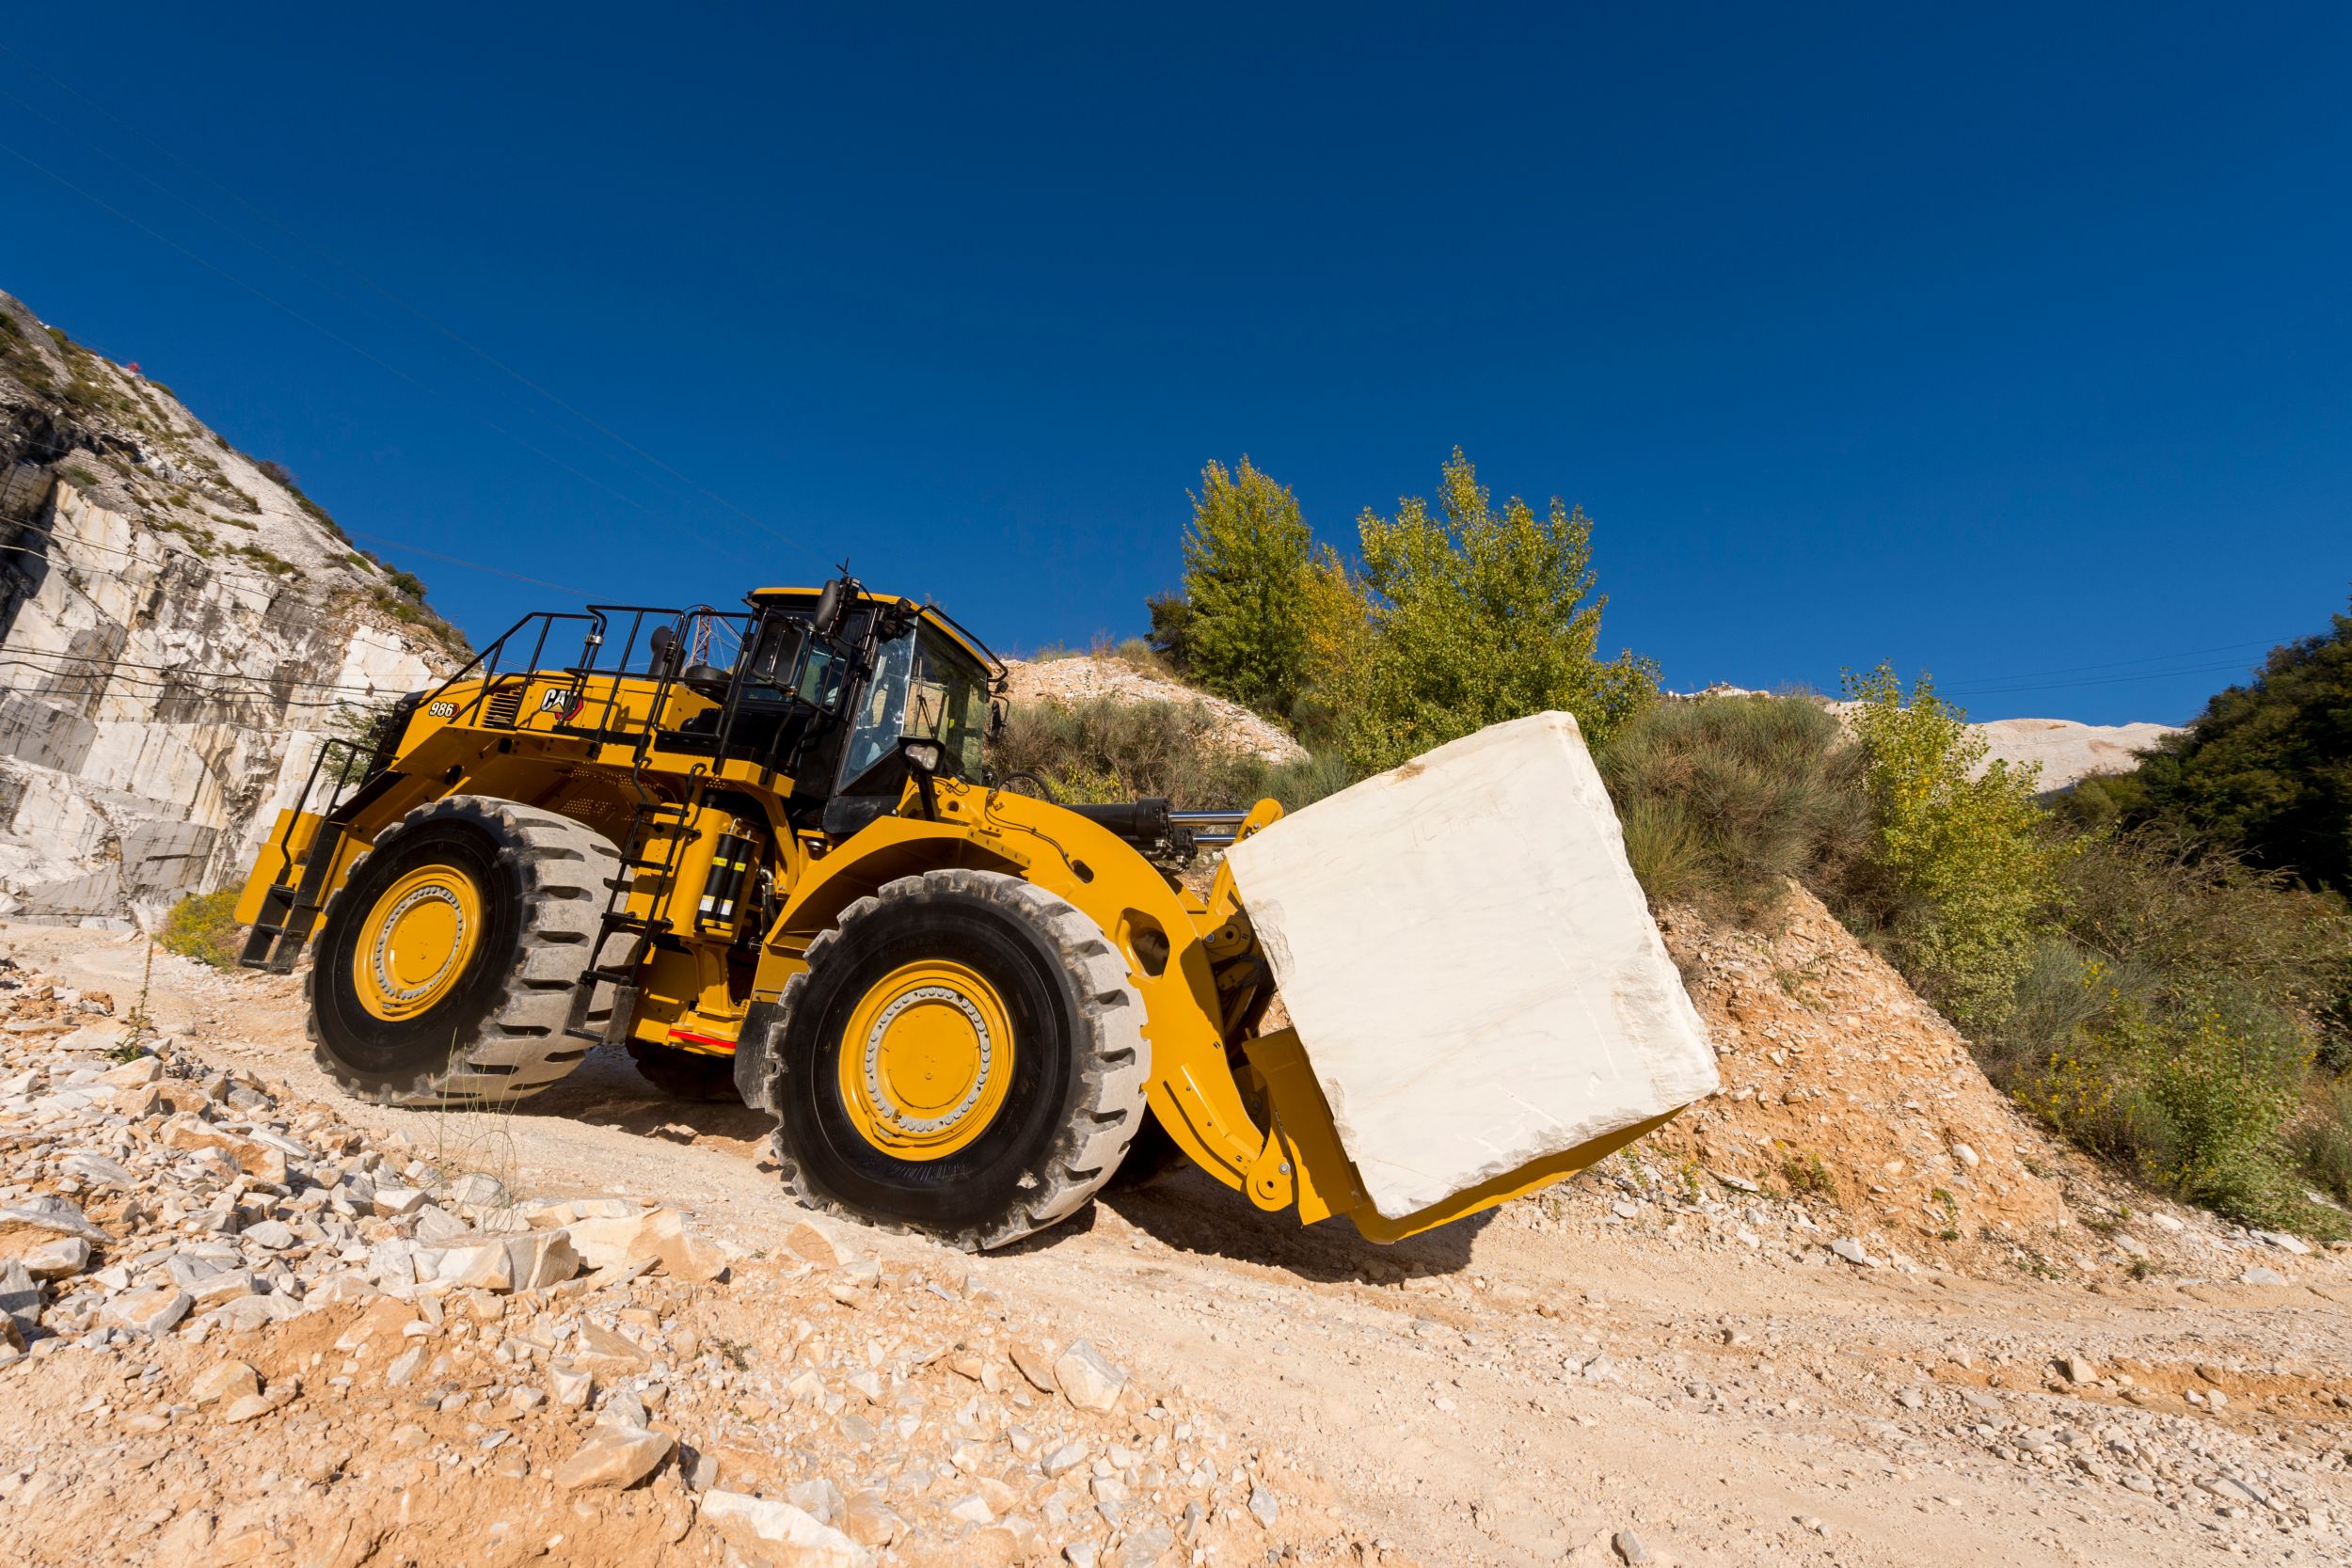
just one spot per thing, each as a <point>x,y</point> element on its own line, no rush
<point>755,1051</point>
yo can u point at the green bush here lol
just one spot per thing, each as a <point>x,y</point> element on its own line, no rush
<point>203,926</point>
<point>1172,630</point>
<point>2174,1020</point>
<point>1962,839</point>
<point>2267,768</point>
<point>2321,1137</point>
<point>2192,1088</point>
<point>2157,899</point>
<point>1138,654</point>
<point>1725,800</point>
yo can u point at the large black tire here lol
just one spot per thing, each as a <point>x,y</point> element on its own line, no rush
<point>1080,1062</point>
<point>496,1034</point>
<point>685,1074</point>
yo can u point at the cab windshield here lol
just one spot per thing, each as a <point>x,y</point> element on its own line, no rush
<point>926,687</point>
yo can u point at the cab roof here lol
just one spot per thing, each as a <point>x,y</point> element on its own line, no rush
<point>930,615</point>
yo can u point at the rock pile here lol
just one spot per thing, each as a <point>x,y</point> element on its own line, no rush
<point>1854,1128</point>
<point>238,1330</point>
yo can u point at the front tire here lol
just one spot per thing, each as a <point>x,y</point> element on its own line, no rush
<point>445,965</point>
<point>965,1056</point>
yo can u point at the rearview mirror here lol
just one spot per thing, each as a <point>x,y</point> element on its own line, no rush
<point>832,604</point>
<point>999,711</point>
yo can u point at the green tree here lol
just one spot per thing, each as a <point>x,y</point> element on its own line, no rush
<point>1473,616</point>
<point>2268,766</point>
<point>1172,630</point>
<point>1964,843</point>
<point>1245,578</point>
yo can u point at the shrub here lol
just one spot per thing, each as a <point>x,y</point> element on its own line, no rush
<point>1962,839</point>
<point>275,566</point>
<point>2159,899</point>
<point>1172,630</point>
<point>2268,766</point>
<point>203,926</point>
<point>283,477</point>
<point>1245,570</point>
<point>2179,1019</point>
<point>1104,749</point>
<point>2321,1137</point>
<point>2192,1088</point>
<point>398,606</point>
<point>2222,1082</point>
<point>1725,799</point>
<point>1471,616</point>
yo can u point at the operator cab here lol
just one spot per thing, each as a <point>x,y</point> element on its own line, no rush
<point>837,687</point>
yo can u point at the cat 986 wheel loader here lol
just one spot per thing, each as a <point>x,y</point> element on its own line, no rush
<point>762,851</point>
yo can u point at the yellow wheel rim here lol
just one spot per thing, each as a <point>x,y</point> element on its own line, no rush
<point>926,1060</point>
<point>417,941</point>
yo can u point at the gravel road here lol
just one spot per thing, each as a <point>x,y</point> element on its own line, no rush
<point>1632,1365</point>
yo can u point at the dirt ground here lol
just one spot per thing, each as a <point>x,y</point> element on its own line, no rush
<point>1645,1350</point>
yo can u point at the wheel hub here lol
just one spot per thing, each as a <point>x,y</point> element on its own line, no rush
<point>417,941</point>
<point>926,1060</point>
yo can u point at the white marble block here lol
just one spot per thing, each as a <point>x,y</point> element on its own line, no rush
<point>1471,964</point>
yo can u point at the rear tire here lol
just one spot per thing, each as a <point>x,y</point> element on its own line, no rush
<point>1041,1117</point>
<point>446,966</point>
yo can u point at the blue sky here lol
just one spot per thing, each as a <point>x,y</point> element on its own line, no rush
<point>2007,343</point>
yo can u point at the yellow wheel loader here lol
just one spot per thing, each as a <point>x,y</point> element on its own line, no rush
<point>763,852</point>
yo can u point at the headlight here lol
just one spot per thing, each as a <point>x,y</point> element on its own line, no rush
<point>922,755</point>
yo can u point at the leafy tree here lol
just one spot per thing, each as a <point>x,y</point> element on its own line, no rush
<point>2268,766</point>
<point>1172,630</point>
<point>1471,616</point>
<point>1963,842</point>
<point>1244,575</point>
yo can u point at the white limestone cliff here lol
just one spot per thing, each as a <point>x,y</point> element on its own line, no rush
<point>180,632</point>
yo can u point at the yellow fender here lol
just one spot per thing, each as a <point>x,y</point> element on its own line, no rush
<point>1193,1091</point>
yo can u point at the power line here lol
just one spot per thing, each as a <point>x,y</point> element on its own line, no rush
<point>333,336</point>
<point>217,699</point>
<point>470,566</point>
<point>2128,663</point>
<point>340,265</point>
<point>80,544</point>
<point>2233,666</point>
<point>117,664</point>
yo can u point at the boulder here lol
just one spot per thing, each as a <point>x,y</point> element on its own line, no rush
<point>67,1254</point>
<point>147,1311</point>
<point>614,1457</point>
<point>776,1533</point>
<point>224,1379</point>
<point>538,1259</point>
<point>1088,1380</point>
